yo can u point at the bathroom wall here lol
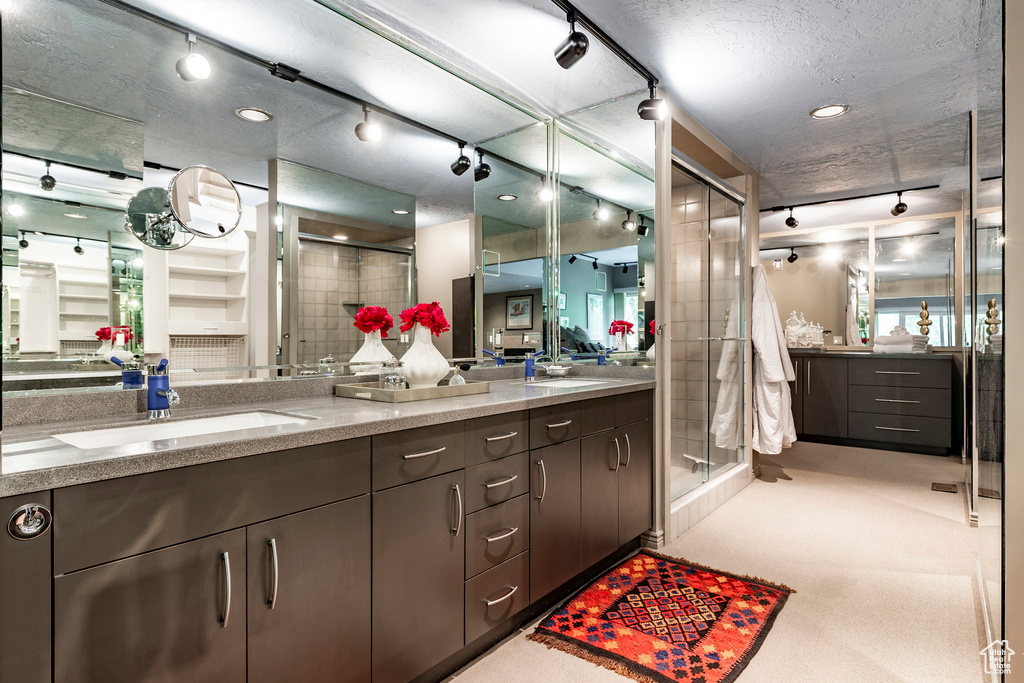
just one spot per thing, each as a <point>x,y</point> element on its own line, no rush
<point>494,317</point>
<point>793,285</point>
<point>443,254</point>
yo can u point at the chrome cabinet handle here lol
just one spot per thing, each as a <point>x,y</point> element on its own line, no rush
<point>895,372</point>
<point>413,456</point>
<point>564,423</point>
<point>894,400</point>
<point>797,382</point>
<point>808,378</point>
<point>502,482</point>
<point>544,481</point>
<point>502,437</point>
<point>511,531</point>
<point>458,497</point>
<point>503,598</point>
<point>629,451</point>
<point>226,563</point>
<point>898,429</point>
<point>272,600</point>
<point>618,455</point>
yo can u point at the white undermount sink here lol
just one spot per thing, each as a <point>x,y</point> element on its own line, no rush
<point>566,383</point>
<point>155,431</point>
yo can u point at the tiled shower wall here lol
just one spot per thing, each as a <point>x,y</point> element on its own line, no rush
<point>334,280</point>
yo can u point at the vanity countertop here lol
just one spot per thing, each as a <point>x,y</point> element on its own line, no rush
<point>33,460</point>
<point>870,354</point>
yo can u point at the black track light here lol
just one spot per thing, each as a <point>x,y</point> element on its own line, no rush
<point>462,164</point>
<point>900,207</point>
<point>642,228</point>
<point>594,264</point>
<point>629,224</point>
<point>22,243</point>
<point>78,247</point>
<point>625,268</point>
<point>574,47</point>
<point>792,256</point>
<point>791,222</point>
<point>482,170</point>
<point>653,108</point>
<point>367,130</point>
<point>47,181</point>
<point>572,259</point>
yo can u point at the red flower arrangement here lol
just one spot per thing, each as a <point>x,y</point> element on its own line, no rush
<point>108,333</point>
<point>623,326</point>
<point>652,327</point>
<point>370,318</point>
<point>429,316</point>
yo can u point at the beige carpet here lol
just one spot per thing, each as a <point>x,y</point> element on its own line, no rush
<point>883,568</point>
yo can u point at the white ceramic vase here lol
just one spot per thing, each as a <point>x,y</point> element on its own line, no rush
<point>650,353</point>
<point>423,365</point>
<point>371,355</point>
<point>105,348</point>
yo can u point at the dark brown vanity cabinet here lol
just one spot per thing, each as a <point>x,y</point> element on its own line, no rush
<point>820,395</point>
<point>555,551</point>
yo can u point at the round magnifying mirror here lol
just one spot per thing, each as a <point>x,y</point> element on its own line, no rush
<point>149,218</point>
<point>205,201</point>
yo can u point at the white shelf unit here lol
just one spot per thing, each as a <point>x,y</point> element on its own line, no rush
<point>83,296</point>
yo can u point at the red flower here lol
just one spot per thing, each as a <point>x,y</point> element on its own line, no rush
<point>652,327</point>
<point>103,334</point>
<point>123,330</point>
<point>623,326</point>
<point>370,318</point>
<point>429,316</point>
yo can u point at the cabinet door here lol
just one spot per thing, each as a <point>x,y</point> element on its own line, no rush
<point>601,456</point>
<point>825,396</point>
<point>309,595</point>
<point>555,551</point>
<point>171,615</point>
<point>418,576</point>
<point>635,482</point>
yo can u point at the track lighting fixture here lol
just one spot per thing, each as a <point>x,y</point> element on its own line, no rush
<point>602,213</point>
<point>47,181</point>
<point>22,243</point>
<point>594,264</point>
<point>78,247</point>
<point>642,228</point>
<point>482,170</point>
<point>653,108</point>
<point>629,224</point>
<point>572,259</point>
<point>462,164</point>
<point>367,130</point>
<point>193,66</point>
<point>574,47</point>
<point>792,256</point>
<point>900,207</point>
<point>791,222</point>
<point>625,268</point>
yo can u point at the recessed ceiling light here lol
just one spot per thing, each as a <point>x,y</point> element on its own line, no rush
<point>400,212</point>
<point>830,111</point>
<point>76,215</point>
<point>507,197</point>
<point>16,210</point>
<point>341,237</point>
<point>253,114</point>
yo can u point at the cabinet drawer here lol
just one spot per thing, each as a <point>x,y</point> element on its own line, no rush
<point>496,595</point>
<point>901,400</point>
<point>414,454</point>
<point>901,429</point>
<point>496,482</point>
<point>508,527</point>
<point>609,412</point>
<point>554,424</point>
<point>902,372</point>
<point>496,436</point>
<point>106,520</point>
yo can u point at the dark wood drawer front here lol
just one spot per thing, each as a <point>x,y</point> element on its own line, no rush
<point>496,482</point>
<point>496,436</point>
<point>609,412</point>
<point>554,424</point>
<point>508,527</point>
<point>901,401</point>
<point>107,520</point>
<point>496,595</point>
<point>901,429</point>
<point>902,372</point>
<point>414,454</point>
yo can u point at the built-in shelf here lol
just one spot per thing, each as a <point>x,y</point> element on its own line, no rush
<point>181,269</point>
<point>206,297</point>
<point>189,328</point>
<point>85,316</point>
<point>194,247</point>
<point>83,297</point>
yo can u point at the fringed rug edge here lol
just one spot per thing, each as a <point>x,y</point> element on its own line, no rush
<point>743,577</point>
<point>603,659</point>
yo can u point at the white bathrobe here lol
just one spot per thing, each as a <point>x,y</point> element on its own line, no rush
<point>774,428</point>
<point>727,422</point>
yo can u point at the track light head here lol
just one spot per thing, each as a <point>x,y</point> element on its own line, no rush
<point>574,47</point>
<point>572,259</point>
<point>47,181</point>
<point>625,268</point>
<point>482,170</point>
<point>792,256</point>
<point>601,214</point>
<point>594,264</point>
<point>23,243</point>
<point>367,130</point>
<point>901,207</point>
<point>193,66</point>
<point>653,108</point>
<point>642,229</point>
<point>629,225</point>
<point>462,164</point>
<point>791,222</point>
<point>78,247</point>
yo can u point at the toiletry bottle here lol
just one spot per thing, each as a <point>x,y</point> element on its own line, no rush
<point>457,380</point>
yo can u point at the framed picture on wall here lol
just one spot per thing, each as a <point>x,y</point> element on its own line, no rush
<point>519,312</point>
<point>564,321</point>
<point>595,316</point>
<point>561,301</point>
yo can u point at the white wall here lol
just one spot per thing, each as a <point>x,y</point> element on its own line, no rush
<point>815,287</point>
<point>443,254</point>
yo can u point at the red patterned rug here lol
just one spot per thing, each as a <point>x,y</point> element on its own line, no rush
<point>658,619</point>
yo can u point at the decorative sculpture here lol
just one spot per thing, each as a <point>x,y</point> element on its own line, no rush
<point>924,323</point>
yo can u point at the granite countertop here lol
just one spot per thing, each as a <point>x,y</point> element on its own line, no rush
<point>870,354</point>
<point>33,460</point>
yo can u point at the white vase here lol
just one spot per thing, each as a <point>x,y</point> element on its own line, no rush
<point>423,365</point>
<point>371,355</point>
<point>650,352</point>
<point>104,349</point>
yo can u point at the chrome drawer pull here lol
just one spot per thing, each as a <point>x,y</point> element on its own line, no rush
<point>895,372</point>
<point>894,400</point>
<point>618,454</point>
<point>413,456</point>
<point>272,600</point>
<point>898,429</point>
<point>502,437</point>
<point>544,481</point>
<point>226,562</point>
<point>565,423</point>
<point>503,598</point>
<point>494,484</point>
<point>629,451</point>
<point>458,496</point>
<point>492,539</point>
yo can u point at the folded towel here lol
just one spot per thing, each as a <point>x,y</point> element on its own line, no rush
<point>915,339</point>
<point>894,348</point>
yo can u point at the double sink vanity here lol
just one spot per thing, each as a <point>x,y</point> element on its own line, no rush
<point>315,539</point>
